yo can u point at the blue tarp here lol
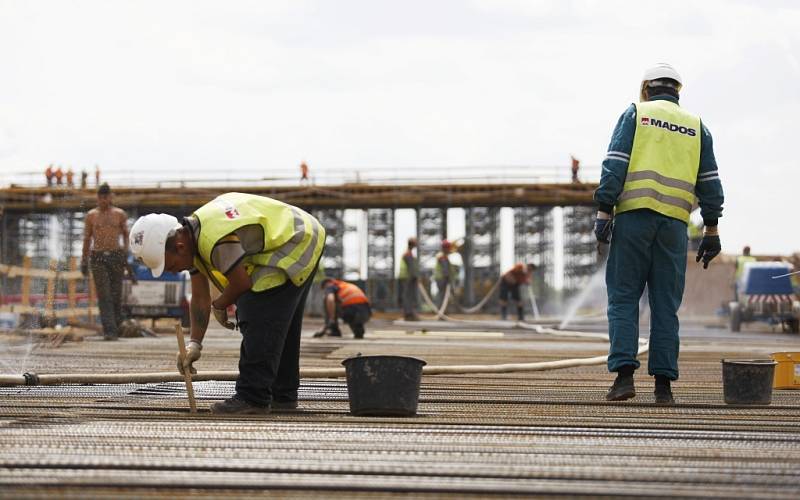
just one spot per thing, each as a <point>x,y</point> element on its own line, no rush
<point>760,282</point>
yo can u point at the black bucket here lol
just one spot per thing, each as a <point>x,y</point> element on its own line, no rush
<point>383,385</point>
<point>748,381</point>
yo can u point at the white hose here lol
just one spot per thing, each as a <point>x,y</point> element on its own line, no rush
<point>477,307</point>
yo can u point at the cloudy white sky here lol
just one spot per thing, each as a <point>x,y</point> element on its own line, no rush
<point>164,89</point>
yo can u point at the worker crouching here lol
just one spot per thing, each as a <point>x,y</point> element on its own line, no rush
<point>344,300</point>
<point>261,254</point>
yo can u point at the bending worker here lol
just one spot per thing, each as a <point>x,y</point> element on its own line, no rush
<point>408,278</point>
<point>261,254</point>
<point>510,283</point>
<point>660,158</point>
<point>345,300</point>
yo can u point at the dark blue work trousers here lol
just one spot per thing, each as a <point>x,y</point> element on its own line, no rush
<point>269,361</point>
<point>647,248</point>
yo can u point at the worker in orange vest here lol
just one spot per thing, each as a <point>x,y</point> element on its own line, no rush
<point>345,300</point>
<point>510,283</point>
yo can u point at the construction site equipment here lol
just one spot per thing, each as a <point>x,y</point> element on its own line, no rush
<point>764,298</point>
<point>748,381</point>
<point>383,385</point>
<point>787,371</point>
<point>187,374</point>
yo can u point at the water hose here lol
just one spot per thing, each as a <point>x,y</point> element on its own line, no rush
<point>32,379</point>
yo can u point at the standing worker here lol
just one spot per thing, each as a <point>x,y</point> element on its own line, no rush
<point>261,254</point>
<point>444,272</point>
<point>345,300</point>
<point>105,243</point>
<point>48,174</point>
<point>740,263</point>
<point>510,284</point>
<point>408,278</point>
<point>660,157</point>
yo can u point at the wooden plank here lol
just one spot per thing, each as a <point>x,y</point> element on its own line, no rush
<point>71,284</point>
<point>26,282</point>
<point>50,301</point>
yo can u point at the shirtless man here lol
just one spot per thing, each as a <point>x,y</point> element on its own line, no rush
<point>106,235</point>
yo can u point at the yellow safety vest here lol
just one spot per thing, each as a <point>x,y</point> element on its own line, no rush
<point>293,239</point>
<point>404,272</point>
<point>740,262</point>
<point>664,161</point>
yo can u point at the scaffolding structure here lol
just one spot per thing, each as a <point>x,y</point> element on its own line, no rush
<point>332,262</point>
<point>580,248</point>
<point>380,257</point>
<point>481,252</point>
<point>533,244</point>
<point>40,230</point>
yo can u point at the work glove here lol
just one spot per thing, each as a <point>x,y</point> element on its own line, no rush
<point>602,227</point>
<point>221,315</point>
<point>84,268</point>
<point>709,247</point>
<point>193,349</point>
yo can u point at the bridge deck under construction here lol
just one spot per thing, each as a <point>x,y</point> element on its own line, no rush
<point>362,195</point>
<point>535,433</point>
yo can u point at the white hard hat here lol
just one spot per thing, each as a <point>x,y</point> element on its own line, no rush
<point>149,237</point>
<point>659,72</point>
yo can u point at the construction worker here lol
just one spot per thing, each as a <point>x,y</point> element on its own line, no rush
<point>345,300</point>
<point>660,157</point>
<point>70,178</point>
<point>576,165</point>
<point>105,243</point>
<point>510,284</point>
<point>261,254</point>
<point>408,278</point>
<point>59,176</point>
<point>740,263</point>
<point>84,177</point>
<point>444,272</point>
<point>303,172</point>
<point>48,174</point>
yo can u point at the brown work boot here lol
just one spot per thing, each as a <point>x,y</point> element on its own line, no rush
<point>238,406</point>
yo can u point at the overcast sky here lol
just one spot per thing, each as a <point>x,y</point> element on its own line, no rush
<point>163,89</point>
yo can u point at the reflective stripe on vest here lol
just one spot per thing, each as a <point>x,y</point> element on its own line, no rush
<point>349,294</point>
<point>665,159</point>
<point>293,239</point>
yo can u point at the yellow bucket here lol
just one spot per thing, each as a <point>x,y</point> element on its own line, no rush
<point>787,371</point>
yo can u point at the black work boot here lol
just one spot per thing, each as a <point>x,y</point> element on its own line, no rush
<point>284,405</point>
<point>503,313</point>
<point>520,314</point>
<point>623,387</point>
<point>663,392</point>
<point>238,406</point>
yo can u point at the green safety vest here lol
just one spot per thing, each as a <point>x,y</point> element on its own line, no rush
<point>740,262</point>
<point>665,159</point>
<point>403,274</point>
<point>438,269</point>
<point>293,239</point>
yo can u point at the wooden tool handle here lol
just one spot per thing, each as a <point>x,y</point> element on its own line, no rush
<point>187,375</point>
